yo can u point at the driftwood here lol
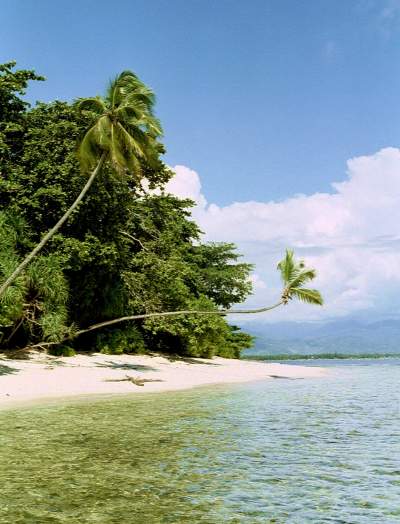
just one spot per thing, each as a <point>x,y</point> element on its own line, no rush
<point>287,378</point>
<point>135,380</point>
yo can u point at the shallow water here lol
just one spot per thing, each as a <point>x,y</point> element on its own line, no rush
<point>283,451</point>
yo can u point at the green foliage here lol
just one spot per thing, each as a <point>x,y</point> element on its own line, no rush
<point>11,305</point>
<point>123,251</point>
<point>62,350</point>
<point>235,342</point>
<point>12,109</point>
<point>294,275</point>
<point>218,275</point>
<point>124,127</point>
<point>117,341</point>
<point>36,304</point>
<point>197,335</point>
<point>192,335</point>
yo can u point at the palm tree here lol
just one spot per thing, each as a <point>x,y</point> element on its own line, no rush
<point>124,133</point>
<point>294,275</point>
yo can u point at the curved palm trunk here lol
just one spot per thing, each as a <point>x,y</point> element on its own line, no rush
<point>174,313</point>
<point>54,229</point>
<point>151,315</point>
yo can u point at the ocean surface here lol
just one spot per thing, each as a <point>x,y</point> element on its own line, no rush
<point>279,451</point>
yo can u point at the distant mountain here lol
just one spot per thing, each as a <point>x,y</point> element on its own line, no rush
<point>342,336</point>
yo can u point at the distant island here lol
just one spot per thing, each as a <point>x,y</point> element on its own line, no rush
<point>320,356</point>
<point>346,338</point>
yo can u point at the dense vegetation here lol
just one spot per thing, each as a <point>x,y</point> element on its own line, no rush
<point>82,243</point>
<point>122,252</point>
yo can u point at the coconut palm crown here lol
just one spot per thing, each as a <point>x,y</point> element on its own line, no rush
<point>124,133</point>
<point>295,275</point>
<point>124,130</point>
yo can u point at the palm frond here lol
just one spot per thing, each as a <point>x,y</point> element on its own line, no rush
<point>95,141</point>
<point>309,296</point>
<point>116,152</point>
<point>54,325</point>
<point>93,105</point>
<point>45,275</point>
<point>11,302</point>
<point>130,84</point>
<point>301,276</point>
<point>126,128</point>
<point>128,114</point>
<point>152,125</point>
<point>287,267</point>
<point>134,149</point>
<point>139,98</point>
<point>88,151</point>
<point>127,89</point>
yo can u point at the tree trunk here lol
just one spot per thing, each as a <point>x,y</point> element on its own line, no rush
<point>174,313</point>
<point>54,229</point>
<point>151,315</point>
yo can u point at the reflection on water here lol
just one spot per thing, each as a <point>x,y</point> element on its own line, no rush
<point>321,450</point>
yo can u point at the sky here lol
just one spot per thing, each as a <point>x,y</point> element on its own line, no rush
<point>283,118</point>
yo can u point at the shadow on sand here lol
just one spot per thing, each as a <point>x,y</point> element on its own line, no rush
<point>6,370</point>
<point>189,360</point>
<point>130,367</point>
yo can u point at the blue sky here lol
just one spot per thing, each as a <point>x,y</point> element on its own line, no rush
<point>264,99</point>
<point>261,101</point>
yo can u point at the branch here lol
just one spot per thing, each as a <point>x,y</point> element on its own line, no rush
<point>134,239</point>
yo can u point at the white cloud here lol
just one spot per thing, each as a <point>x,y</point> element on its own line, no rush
<point>186,184</point>
<point>352,236</point>
<point>257,281</point>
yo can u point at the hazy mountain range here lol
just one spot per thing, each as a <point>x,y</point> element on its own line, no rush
<point>344,336</point>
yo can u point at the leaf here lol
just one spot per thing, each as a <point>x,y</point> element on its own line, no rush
<point>310,296</point>
<point>94,105</point>
<point>287,267</point>
<point>300,277</point>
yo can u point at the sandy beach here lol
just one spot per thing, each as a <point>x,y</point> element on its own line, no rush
<point>44,377</point>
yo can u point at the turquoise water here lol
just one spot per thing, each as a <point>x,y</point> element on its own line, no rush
<point>282,451</point>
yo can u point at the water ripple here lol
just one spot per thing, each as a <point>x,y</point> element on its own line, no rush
<point>312,451</point>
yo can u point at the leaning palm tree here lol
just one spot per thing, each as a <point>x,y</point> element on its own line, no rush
<point>294,274</point>
<point>124,133</point>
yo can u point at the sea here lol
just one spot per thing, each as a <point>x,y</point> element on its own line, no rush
<point>321,450</point>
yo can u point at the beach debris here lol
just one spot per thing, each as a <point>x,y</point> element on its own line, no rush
<point>287,378</point>
<point>138,381</point>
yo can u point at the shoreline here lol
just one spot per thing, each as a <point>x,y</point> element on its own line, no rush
<point>45,379</point>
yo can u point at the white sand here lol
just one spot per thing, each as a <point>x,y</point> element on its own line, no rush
<point>44,377</point>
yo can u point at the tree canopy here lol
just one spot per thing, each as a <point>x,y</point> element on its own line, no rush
<point>122,254</point>
<point>123,251</point>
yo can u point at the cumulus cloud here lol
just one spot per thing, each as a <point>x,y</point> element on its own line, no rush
<point>186,184</point>
<point>350,235</point>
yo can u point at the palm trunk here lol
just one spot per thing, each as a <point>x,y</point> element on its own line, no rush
<point>174,313</point>
<point>152,315</point>
<point>54,229</point>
